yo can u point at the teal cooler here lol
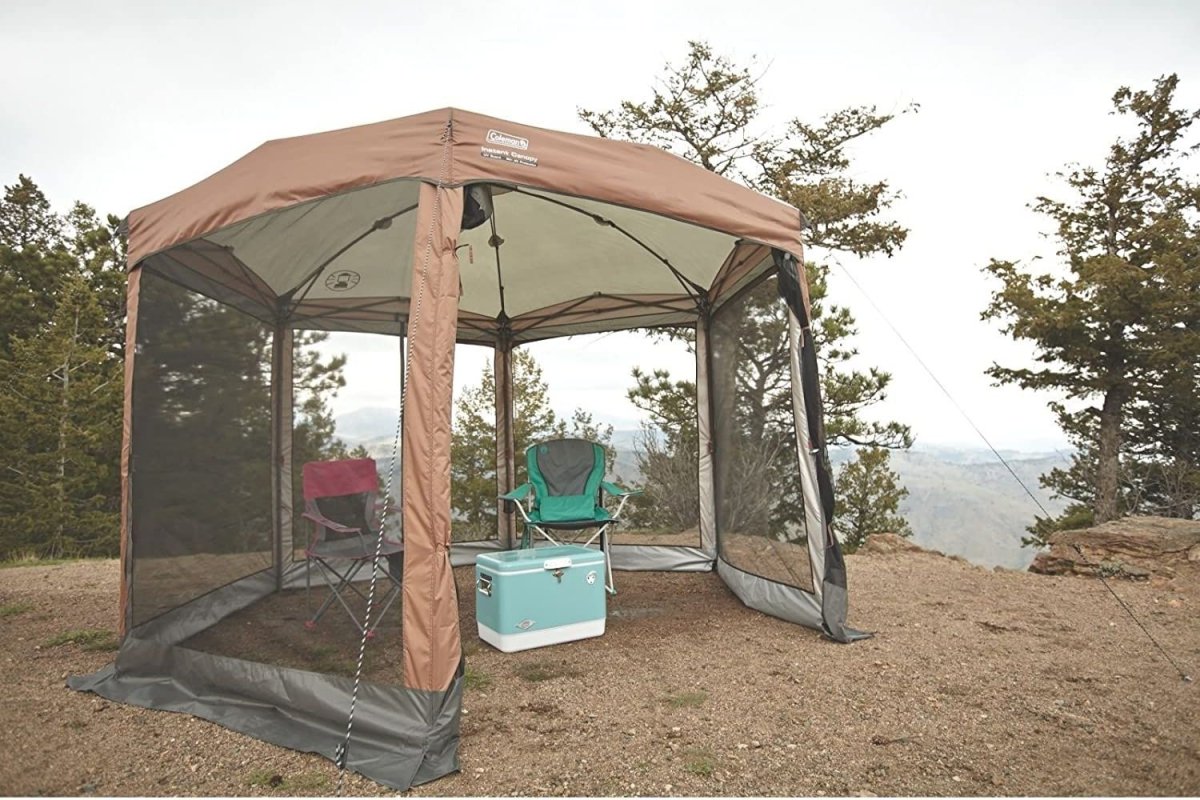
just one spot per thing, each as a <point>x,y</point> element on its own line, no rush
<point>539,596</point>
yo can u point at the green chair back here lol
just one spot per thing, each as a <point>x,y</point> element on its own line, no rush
<point>566,476</point>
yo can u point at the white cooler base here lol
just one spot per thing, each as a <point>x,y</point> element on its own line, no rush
<point>527,640</point>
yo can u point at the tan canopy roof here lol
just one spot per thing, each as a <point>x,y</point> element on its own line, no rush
<point>585,234</point>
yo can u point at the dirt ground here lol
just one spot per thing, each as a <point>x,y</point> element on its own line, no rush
<point>976,683</point>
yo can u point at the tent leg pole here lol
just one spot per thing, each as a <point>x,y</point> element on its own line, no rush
<point>281,450</point>
<point>505,444</point>
<point>706,495</point>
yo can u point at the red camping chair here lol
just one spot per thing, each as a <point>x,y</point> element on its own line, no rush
<point>341,502</point>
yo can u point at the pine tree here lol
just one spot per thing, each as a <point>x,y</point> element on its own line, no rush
<point>1117,328</point>
<point>59,420</point>
<point>34,261</point>
<point>707,110</point>
<point>203,393</point>
<point>315,382</point>
<point>61,340</point>
<point>868,499</point>
<point>98,249</point>
<point>666,451</point>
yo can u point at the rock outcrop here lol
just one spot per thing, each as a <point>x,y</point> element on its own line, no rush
<point>884,543</point>
<point>1132,547</point>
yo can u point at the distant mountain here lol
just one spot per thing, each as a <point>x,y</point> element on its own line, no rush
<point>626,444</point>
<point>365,424</point>
<point>969,504</point>
<point>961,500</point>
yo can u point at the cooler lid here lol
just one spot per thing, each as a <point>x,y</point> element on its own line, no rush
<point>554,557</point>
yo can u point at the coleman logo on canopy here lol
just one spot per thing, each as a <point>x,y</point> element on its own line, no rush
<point>507,140</point>
<point>342,281</point>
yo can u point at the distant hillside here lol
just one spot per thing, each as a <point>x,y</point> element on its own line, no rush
<point>973,507</point>
<point>366,424</point>
<point>627,443</point>
<point>961,500</point>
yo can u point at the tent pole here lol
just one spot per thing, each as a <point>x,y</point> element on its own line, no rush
<point>505,445</point>
<point>133,294</point>
<point>708,524</point>
<point>281,450</point>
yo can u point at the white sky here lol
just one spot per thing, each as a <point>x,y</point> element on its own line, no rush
<point>121,103</point>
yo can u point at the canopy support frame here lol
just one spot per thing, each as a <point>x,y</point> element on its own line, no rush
<point>693,289</point>
<point>307,282</point>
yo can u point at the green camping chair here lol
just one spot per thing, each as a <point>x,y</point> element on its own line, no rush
<point>565,495</point>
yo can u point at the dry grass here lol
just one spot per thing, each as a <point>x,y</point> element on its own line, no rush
<point>476,679</point>
<point>90,640</point>
<point>539,671</point>
<point>300,783</point>
<point>13,609</point>
<point>701,763</point>
<point>30,558</point>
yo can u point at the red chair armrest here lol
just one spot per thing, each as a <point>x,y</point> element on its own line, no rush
<point>328,523</point>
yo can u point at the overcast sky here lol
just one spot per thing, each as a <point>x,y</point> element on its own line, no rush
<point>121,103</point>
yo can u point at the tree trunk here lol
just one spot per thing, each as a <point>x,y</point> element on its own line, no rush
<point>1108,466</point>
<point>58,546</point>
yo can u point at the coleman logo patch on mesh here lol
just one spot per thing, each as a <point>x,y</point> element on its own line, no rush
<point>507,140</point>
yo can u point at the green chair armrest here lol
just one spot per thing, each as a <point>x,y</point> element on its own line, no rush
<point>617,491</point>
<point>515,497</point>
<point>519,493</point>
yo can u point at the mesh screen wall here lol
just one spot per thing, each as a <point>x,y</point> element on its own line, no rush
<point>653,444</point>
<point>759,504</point>
<point>201,486</point>
<point>356,419</point>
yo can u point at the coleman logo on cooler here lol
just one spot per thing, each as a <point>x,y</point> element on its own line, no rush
<point>525,624</point>
<point>507,140</point>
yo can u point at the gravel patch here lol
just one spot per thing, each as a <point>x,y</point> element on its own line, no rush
<point>976,683</point>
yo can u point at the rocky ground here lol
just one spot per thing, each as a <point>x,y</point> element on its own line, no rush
<point>976,683</point>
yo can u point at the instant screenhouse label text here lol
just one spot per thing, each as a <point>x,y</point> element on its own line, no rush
<point>508,155</point>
